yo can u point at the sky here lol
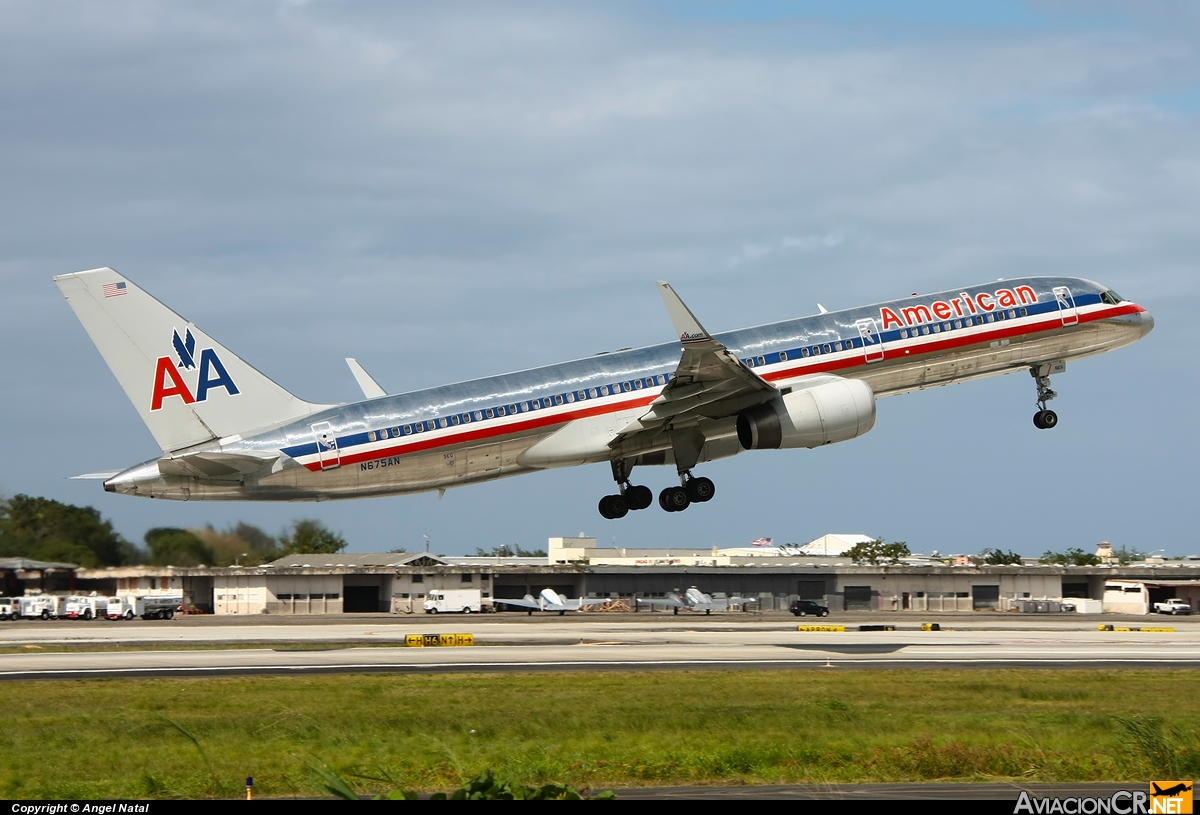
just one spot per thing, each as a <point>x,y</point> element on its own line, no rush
<point>452,190</point>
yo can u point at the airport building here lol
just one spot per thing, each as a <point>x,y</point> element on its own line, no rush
<point>770,577</point>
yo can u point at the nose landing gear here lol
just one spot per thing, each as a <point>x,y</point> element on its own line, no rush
<point>1045,419</point>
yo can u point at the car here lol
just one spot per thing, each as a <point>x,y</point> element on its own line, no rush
<point>1175,605</point>
<point>802,608</point>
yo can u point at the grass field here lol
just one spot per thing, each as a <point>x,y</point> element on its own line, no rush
<point>202,737</point>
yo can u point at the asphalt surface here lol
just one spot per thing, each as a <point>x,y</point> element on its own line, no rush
<point>211,646</point>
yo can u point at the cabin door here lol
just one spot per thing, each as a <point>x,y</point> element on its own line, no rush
<point>1066,305</point>
<point>868,329</point>
<point>327,447</point>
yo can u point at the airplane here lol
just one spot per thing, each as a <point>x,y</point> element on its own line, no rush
<point>694,600</point>
<point>550,600</point>
<point>227,432</point>
<point>1170,792</point>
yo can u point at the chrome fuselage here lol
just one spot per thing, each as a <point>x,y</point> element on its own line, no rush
<point>483,429</point>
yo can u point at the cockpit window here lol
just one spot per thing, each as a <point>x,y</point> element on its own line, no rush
<point>1111,298</point>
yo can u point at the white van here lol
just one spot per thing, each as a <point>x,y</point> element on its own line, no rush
<point>443,601</point>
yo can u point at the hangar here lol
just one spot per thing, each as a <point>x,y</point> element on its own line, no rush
<point>398,583</point>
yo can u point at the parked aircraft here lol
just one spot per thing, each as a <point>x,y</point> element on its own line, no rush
<point>227,432</point>
<point>694,600</point>
<point>550,600</point>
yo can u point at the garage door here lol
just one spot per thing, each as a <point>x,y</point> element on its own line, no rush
<point>361,599</point>
<point>985,597</point>
<point>858,598</point>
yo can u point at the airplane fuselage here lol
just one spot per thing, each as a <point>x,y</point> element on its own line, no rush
<point>574,412</point>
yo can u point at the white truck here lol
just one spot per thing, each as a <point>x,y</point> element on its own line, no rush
<point>45,606</point>
<point>84,608</point>
<point>442,601</point>
<point>148,606</point>
<point>1173,606</point>
<point>8,608</point>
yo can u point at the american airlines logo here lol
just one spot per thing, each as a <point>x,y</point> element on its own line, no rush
<point>687,336</point>
<point>962,306</point>
<point>168,381</point>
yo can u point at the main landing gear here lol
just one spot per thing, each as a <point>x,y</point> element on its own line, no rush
<point>634,497</point>
<point>693,491</point>
<point>1044,419</point>
<point>631,496</point>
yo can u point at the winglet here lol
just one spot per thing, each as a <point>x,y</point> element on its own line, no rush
<point>370,387</point>
<point>686,324</point>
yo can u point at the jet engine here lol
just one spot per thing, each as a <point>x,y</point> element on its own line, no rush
<point>810,415</point>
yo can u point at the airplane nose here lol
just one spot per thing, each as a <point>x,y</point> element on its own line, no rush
<point>1147,322</point>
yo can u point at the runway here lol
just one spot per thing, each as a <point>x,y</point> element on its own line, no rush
<point>581,642</point>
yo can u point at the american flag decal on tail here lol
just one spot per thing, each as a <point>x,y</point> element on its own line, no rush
<point>115,289</point>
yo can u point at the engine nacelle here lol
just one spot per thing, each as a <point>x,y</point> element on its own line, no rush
<point>832,410</point>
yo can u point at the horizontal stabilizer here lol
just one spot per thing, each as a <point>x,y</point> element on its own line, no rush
<point>214,465</point>
<point>95,476</point>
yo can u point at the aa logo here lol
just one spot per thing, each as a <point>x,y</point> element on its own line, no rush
<point>168,381</point>
<point>1170,797</point>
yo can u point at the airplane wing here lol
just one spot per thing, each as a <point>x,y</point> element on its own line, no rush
<point>709,382</point>
<point>527,602</point>
<point>370,388</point>
<point>673,602</point>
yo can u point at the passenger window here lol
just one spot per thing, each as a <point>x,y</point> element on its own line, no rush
<point>826,347</point>
<point>903,333</point>
<point>637,384</point>
<point>512,410</point>
<point>945,326</point>
<point>749,362</point>
<point>371,436</point>
<point>571,396</point>
<point>988,317</point>
<point>783,356</point>
<point>489,413</point>
<point>1024,311</point>
<point>837,346</point>
<point>762,361</point>
<point>803,352</point>
<point>558,400</point>
<point>816,349</point>
<point>500,411</point>
<point>1012,315</point>
<point>466,417</point>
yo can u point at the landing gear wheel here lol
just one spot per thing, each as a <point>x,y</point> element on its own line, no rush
<point>674,499</point>
<point>700,490</point>
<point>639,497</point>
<point>613,507</point>
<point>1045,419</point>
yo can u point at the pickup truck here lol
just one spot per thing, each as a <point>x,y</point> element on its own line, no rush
<point>1173,606</point>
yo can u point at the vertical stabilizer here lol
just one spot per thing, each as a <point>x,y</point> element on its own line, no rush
<point>187,387</point>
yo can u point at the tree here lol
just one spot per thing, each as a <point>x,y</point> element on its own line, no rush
<point>310,537</point>
<point>172,546</point>
<point>43,529</point>
<point>1071,557</point>
<point>1125,556</point>
<point>996,557</point>
<point>877,551</point>
<point>504,550</point>
<point>244,544</point>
